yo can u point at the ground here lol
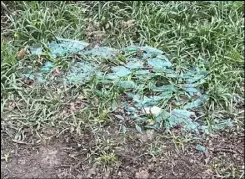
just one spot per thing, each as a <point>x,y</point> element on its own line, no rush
<point>67,156</point>
<point>50,131</point>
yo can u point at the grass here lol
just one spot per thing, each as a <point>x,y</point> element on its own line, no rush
<point>188,32</point>
<point>106,158</point>
<point>204,34</point>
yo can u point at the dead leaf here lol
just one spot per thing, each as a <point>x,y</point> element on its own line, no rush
<point>92,171</point>
<point>50,132</point>
<point>107,26</point>
<point>72,107</point>
<point>143,174</point>
<point>79,176</point>
<point>59,91</point>
<point>56,72</point>
<point>107,174</point>
<point>11,105</point>
<point>28,81</point>
<point>80,97</point>
<point>151,166</point>
<point>79,105</point>
<point>149,134</point>
<point>129,23</point>
<point>22,53</point>
<point>75,105</point>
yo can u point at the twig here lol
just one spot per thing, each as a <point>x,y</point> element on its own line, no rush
<point>21,142</point>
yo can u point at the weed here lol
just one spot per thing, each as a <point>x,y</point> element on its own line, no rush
<point>106,158</point>
<point>181,141</point>
<point>155,151</point>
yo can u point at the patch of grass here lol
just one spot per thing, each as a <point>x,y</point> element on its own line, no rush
<point>104,151</point>
<point>193,34</point>
<point>180,142</point>
<point>155,150</point>
<point>106,158</point>
<point>39,22</point>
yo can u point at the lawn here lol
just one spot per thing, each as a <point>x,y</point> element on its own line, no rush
<point>84,129</point>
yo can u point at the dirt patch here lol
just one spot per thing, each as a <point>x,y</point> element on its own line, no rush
<point>155,157</point>
<point>35,162</point>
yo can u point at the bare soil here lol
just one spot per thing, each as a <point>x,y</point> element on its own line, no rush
<point>67,156</point>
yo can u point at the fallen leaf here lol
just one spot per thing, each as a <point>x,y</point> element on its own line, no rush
<point>28,81</point>
<point>143,174</point>
<point>129,23</point>
<point>11,105</point>
<point>149,134</point>
<point>92,171</point>
<point>59,91</point>
<point>80,97</point>
<point>107,173</point>
<point>75,105</point>
<point>72,107</point>
<point>107,26</point>
<point>79,105</point>
<point>22,53</point>
<point>79,176</point>
<point>56,73</point>
<point>50,132</point>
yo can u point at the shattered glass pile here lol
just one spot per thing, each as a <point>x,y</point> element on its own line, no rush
<point>139,68</point>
